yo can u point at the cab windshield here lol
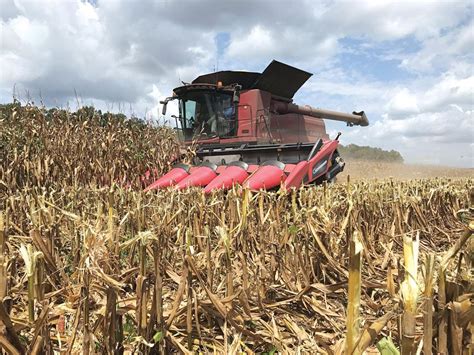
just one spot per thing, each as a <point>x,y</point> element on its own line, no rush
<point>207,114</point>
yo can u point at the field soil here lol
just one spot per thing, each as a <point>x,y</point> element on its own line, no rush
<point>363,169</point>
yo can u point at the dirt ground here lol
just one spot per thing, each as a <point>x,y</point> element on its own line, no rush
<point>359,169</point>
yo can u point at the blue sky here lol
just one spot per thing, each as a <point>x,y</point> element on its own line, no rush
<point>408,64</point>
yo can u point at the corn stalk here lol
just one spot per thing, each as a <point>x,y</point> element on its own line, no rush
<point>409,293</point>
<point>30,258</point>
<point>3,259</point>
<point>353,306</point>
<point>428,296</point>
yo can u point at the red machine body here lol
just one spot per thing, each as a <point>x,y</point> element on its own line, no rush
<point>249,132</point>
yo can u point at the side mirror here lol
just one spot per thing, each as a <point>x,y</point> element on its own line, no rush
<point>163,110</point>
<point>236,97</point>
<point>175,120</point>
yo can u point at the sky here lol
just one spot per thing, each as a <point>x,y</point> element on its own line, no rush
<point>407,64</point>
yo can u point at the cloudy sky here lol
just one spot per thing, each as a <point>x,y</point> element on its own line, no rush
<point>408,64</point>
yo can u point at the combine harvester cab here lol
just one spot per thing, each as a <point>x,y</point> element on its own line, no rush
<point>249,132</point>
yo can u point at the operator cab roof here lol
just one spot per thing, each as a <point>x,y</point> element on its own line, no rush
<point>278,78</point>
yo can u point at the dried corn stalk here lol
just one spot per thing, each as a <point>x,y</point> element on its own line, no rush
<point>354,286</point>
<point>409,293</point>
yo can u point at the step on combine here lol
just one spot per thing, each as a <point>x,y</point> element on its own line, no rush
<point>247,131</point>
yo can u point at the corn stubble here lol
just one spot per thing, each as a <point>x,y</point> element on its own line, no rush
<point>331,269</point>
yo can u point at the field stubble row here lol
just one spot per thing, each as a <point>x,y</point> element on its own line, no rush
<point>109,269</point>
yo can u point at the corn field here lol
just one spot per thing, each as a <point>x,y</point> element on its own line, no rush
<point>89,264</point>
<point>57,148</point>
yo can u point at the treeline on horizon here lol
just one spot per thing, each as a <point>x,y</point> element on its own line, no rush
<point>357,152</point>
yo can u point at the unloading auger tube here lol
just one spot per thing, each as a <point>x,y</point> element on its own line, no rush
<point>356,118</point>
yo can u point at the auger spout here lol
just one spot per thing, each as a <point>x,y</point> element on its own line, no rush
<point>356,118</point>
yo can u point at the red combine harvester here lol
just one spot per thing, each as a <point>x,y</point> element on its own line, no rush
<point>249,132</point>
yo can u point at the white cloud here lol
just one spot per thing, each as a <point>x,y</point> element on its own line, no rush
<point>439,52</point>
<point>257,42</point>
<point>448,90</point>
<point>403,103</point>
<point>261,43</point>
<point>451,90</point>
<point>391,20</point>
